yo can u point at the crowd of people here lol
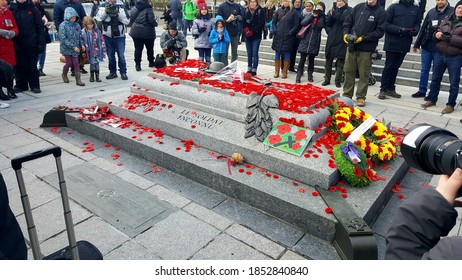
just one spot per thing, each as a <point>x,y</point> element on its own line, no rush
<point>295,28</point>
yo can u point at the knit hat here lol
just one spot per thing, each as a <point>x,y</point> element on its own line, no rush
<point>202,6</point>
<point>458,4</point>
<point>346,1</point>
<point>172,26</point>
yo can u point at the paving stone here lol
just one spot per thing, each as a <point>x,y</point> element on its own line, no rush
<point>131,250</point>
<point>71,148</point>
<point>135,179</point>
<point>47,165</point>
<point>316,248</point>
<point>10,129</point>
<point>4,162</point>
<point>266,225</point>
<point>25,115</point>
<point>17,140</point>
<point>291,256</point>
<point>178,237</point>
<point>208,216</point>
<point>169,196</point>
<point>225,247</point>
<point>107,165</point>
<point>256,241</point>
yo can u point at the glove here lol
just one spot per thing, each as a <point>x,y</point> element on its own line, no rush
<point>359,40</point>
<point>170,43</point>
<point>202,29</point>
<point>404,31</point>
<point>238,18</point>
<point>344,38</point>
<point>8,34</point>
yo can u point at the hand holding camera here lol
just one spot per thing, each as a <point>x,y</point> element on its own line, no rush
<point>202,29</point>
<point>111,9</point>
<point>170,43</point>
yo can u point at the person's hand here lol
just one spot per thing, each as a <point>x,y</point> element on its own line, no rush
<point>439,35</point>
<point>230,18</point>
<point>238,18</point>
<point>345,38</point>
<point>449,186</point>
<point>170,43</point>
<point>415,50</point>
<point>83,48</point>
<point>220,37</point>
<point>359,40</point>
<point>404,31</point>
<point>76,49</point>
<point>202,29</point>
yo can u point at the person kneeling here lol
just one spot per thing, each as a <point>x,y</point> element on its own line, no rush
<point>173,44</point>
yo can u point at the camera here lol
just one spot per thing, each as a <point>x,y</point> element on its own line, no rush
<point>112,9</point>
<point>375,55</point>
<point>351,38</point>
<point>432,149</point>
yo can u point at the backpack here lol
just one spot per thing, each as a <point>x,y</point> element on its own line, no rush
<point>159,61</point>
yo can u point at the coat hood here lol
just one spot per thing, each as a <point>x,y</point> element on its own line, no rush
<point>70,12</point>
<point>218,18</point>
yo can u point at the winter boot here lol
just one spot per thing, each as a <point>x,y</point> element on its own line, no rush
<point>77,79</point>
<point>285,69</point>
<point>92,76</point>
<point>310,76</point>
<point>299,76</point>
<point>97,76</point>
<point>277,66</point>
<point>3,96</point>
<point>64,75</point>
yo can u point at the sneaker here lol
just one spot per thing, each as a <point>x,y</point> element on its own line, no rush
<point>447,110</point>
<point>325,83</point>
<point>41,74</point>
<point>36,90</point>
<point>428,104</point>
<point>124,76</point>
<point>111,76</point>
<point>418,94</point>
<point>393,94</point>
<point>382,95</point>
<point>360,103</point>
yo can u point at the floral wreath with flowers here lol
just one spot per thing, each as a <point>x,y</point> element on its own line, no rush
<point>377,142</point>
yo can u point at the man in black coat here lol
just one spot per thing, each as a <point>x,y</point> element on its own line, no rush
<point>422,220</point>
<point>403,23</point>
<point>231,13</point>
<point>335,47</point>
<point>362,29</point>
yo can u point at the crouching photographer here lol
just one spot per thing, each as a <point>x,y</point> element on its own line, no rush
<point>422,220</point>
<point>173,44</point>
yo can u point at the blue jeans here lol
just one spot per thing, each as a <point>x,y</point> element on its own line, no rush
<point>426,59</point>
<point>221,57</point>
<point>113,46</point>
<point>252,46</point>
<point>440,63</point>
<point>204,53</point>
<point>285,56</point>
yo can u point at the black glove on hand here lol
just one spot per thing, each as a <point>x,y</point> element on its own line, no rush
<point>239,18</point>
<point>404,31</point>
<point>170,43</point>
<point>202,29</point>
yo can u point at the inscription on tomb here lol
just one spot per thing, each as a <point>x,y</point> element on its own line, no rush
<point>200,120</point>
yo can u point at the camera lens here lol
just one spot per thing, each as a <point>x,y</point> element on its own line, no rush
<point>432,149</point>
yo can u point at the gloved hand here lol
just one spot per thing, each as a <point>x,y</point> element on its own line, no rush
<point>359,40</point>
<point>178,45</point>
<point>8,34</point>
<point>404,31</point>
<point>170,43</point>
<point>239,18</point>
<point>344,38</point>
<point>202,29</point>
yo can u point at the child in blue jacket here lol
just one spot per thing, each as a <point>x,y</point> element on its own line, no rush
<point>219,38</point>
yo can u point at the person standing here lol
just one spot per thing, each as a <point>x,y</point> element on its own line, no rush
<point>269,10</point>
<point>94,45</point>
<point>362,29</point>
<point>335,47</point>
<point>143,31</point>
<point>114,17</point>
<point>230,12</point>
<point>189,10</point>
<point>427,43</point>
<point>71,44</point>
<point>201,29</point>
<point>297,4</point>
<point>176,13</point>
<point>8,30</point>
<point>42,56</point>
<point>403,23</point>
<point>219,39</point>
<point>254,22</point>
<point>27,45</point>
<point>449,56</point>
<point>286,23</point>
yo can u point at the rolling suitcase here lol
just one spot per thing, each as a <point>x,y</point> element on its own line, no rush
<point>82,250</point>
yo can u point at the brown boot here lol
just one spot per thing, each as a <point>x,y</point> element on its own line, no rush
<point>277,66</point>
<point>77,79</point>
<point>285,69</point>
<point>64,75</point>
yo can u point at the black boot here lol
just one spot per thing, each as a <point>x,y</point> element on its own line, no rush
<point>11,93</point>
<point>299,76</point>
<point>310,76</point>
<point>92,76</point>
<point>3,96</point>
<point>137,66</point>
<point>97,76</point>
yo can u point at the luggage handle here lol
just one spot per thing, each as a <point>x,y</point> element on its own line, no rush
<point>17,162</point>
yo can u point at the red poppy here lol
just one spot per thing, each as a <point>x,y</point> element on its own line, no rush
<point>328,210</point>
<point>273,139</point>
<point>358,172</point>
<point>283,128</point>
<point>300,135</point>
<point>296,146</point>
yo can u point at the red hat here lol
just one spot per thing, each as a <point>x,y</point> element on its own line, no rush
<point>202,6</point>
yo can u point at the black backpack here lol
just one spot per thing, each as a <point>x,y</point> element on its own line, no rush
<point>160,62</point>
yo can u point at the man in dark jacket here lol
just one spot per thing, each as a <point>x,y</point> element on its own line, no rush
<point>427,42</point>
<point>335,47</point>
<point>403,23</point>
<point>449,56</point>
<point>230,12</point>
<point>422,220</point>
<point>27,45</point>
<point>362,29</point>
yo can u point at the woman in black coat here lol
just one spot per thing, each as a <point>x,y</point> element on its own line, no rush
<point>286,22</point>
<point>253,23</point>
<point>143,31</point>
<point>335,46</point>
<point>310,44</point>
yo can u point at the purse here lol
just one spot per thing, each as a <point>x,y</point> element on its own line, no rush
<point>302,32</point>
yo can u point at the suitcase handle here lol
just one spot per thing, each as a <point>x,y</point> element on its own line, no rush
<point>17,162</point>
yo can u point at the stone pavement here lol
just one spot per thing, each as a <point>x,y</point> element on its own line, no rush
<point>202,224</point>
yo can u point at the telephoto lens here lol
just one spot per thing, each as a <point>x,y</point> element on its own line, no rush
<point>432,149</point>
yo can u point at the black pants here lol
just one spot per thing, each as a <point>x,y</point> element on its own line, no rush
<point>301,63</point>
<point>293,54</point>
<point>27,75</point>
<point>139,45</point>
<point>390,70</point>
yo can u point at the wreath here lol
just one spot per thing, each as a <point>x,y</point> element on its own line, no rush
<point>358,174</point>
<point>377,142</point>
